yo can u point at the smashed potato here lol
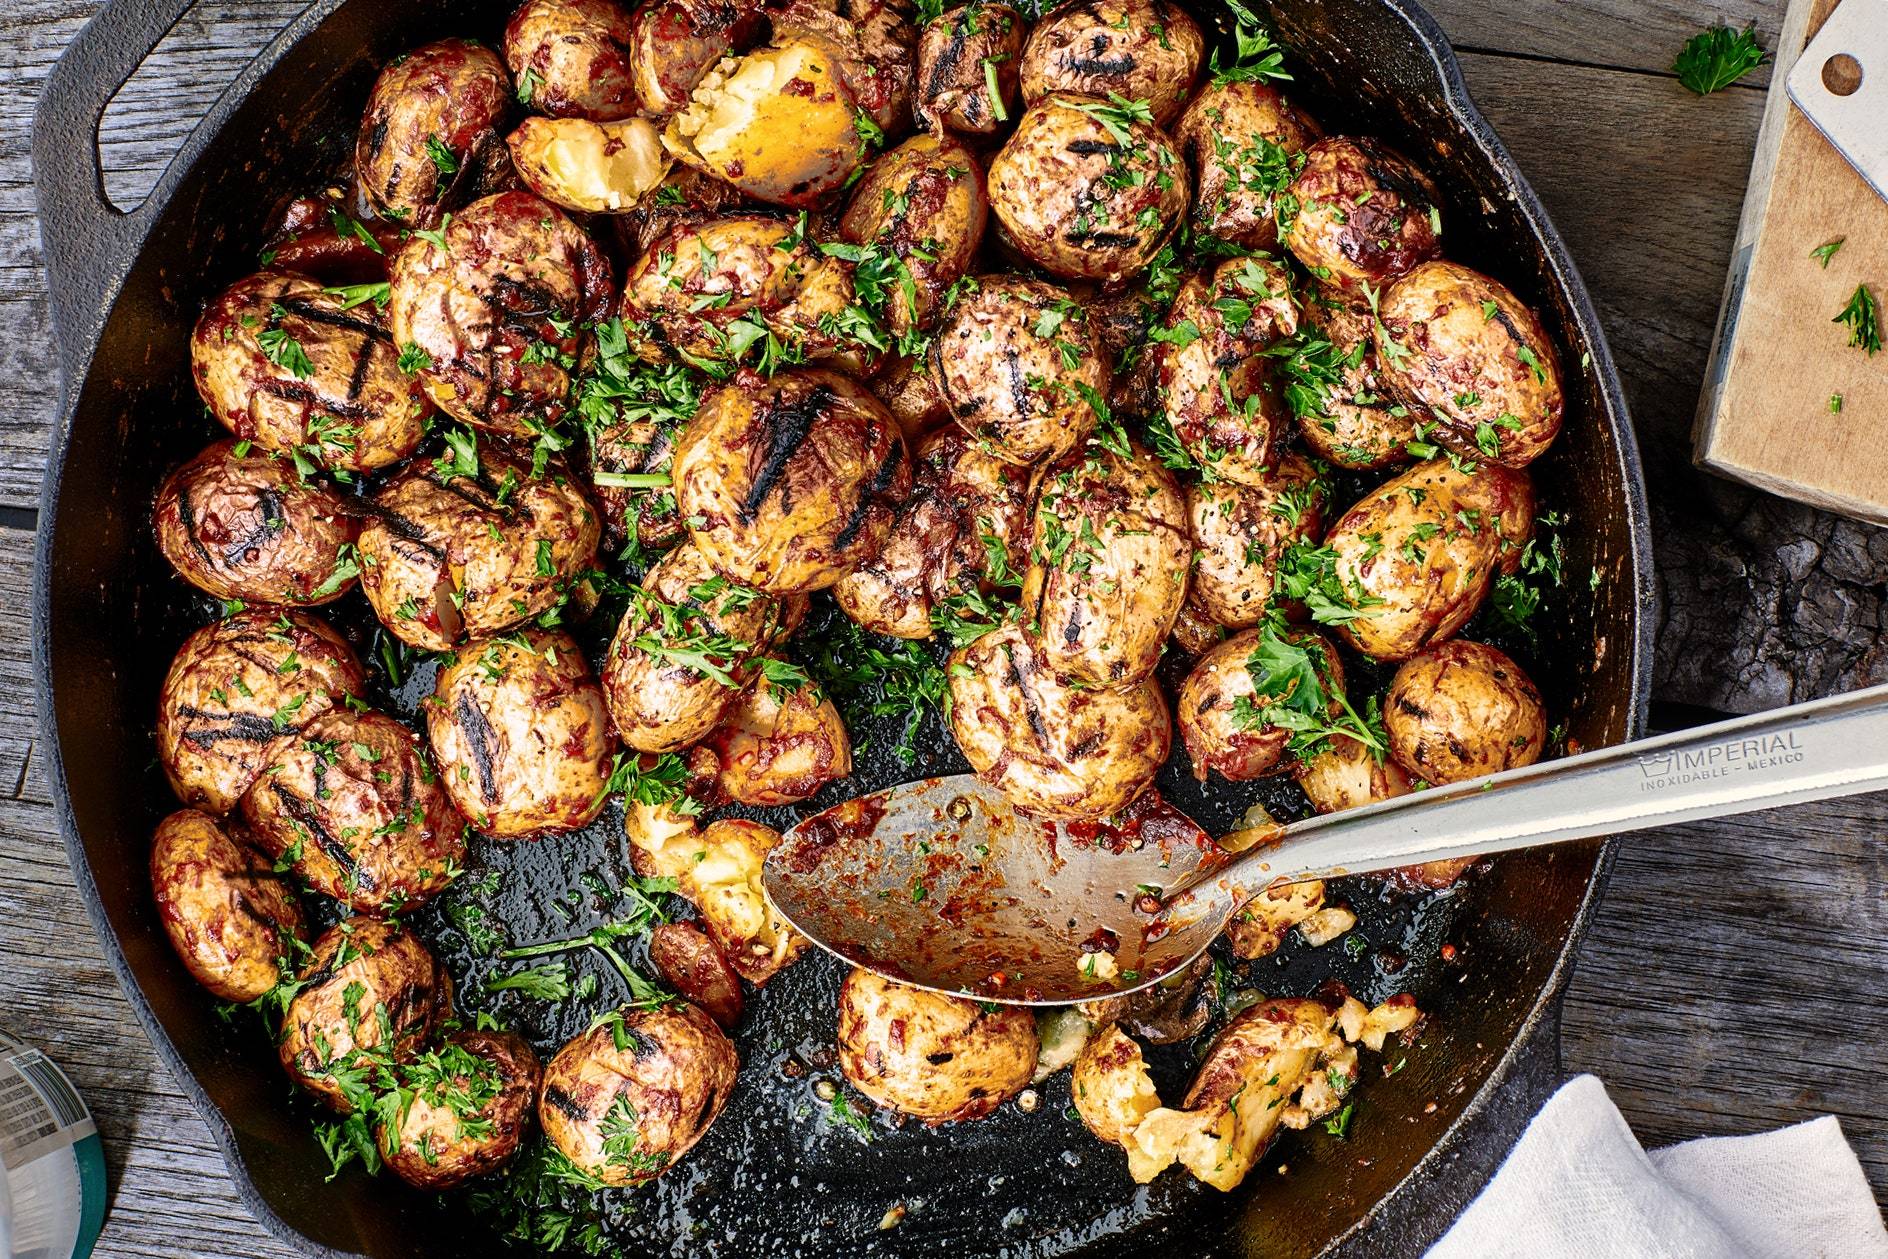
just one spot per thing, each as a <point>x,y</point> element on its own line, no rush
<point>718,870</point>
<point>601,167</point>
<point>933,1057</point>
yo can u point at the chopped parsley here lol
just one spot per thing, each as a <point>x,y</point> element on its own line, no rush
<point>1712,60</point>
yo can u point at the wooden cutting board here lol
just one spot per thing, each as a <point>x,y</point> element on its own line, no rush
<point>1765,415</point>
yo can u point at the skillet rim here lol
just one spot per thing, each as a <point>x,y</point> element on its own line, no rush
<point>1520,1064</point>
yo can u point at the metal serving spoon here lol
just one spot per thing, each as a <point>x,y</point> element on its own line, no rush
<point>941,884</point>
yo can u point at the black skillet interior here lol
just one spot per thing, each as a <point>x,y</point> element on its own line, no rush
<point>776,1173</point>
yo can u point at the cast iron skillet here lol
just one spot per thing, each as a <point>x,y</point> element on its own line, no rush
<point>773,1175</point>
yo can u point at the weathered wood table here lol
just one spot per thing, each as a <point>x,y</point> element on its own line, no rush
<point>1737,976</point>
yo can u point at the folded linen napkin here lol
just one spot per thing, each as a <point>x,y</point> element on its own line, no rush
<point>1579,1186</point>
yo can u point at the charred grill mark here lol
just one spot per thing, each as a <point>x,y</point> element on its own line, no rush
<point>944,71</point>
<point>1097,66</point>
<point>1094,148</point>
<point>303,308</point>
<point>786,426</point>
<point>1106,240</point>
<point>402,528</point>
<point>187,517</point>
<point>881,481</point>
<point>272,520</point>
<point>242,727</point>
<point>479,737</point>
<point>357,379</point>
<point>303,815</point>
<point>1031,709</point>
<point>1019,385</point>
<point>556,1097</point>
<point>521,300</point>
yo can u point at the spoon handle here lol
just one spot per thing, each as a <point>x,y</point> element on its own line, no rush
<point>1829,747</point>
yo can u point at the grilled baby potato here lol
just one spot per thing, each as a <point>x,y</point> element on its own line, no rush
<point>1217,388</point>
<point>495,316</point>
<point>520,734</point>
<point>692,964</point>
<point>473,545</point>
<point>779,745</point>
<point>963,501</point>
<point>1139,50</point>
<point>689,289</point>
<point>1048,747</point>
<point>473,1105</point>
<point>284,363</point>
<point>1348,775</point>
<point>1417,555</point>
<point>933,1057</point>
<point>354,806</point>
<point>790,483</point>
<point>431,141</point>
<point>1221,713</point>
<point>235,923</point>
<point>1239,533</point>
<point>923,204</point>
<point>639,516</point>
<point>775,123</point>
<point>675,43</point>
<point>244,526</point>
<point>1365,216</point>
<point>238,688</point>
<point>873,45</point>
<point>1457,345</point>
<point>359,970</point>
<point>1017,366</point>
<point>627,1099</point>
<point>1084,188</point>
<point>573,58</point>
<point>717,868</point>
<point>597,167</point>
<point>905,386</point>
<point>967,69</point>
<point>683,652</point>
<point>1461,710</point>
<point>1244,142</point>
<point>1356,423</point>
<point>1111,1087</point>
<point>1108,556</point>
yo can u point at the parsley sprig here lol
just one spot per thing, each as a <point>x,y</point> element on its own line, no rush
<point>1863,316</point>
<point>1712,60</point>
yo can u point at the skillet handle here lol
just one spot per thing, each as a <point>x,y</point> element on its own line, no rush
<point>88,243</point>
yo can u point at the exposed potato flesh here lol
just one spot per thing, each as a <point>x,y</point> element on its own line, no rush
<point>627,1099</point>
<point>1145,50</point>
<point>675,43</point>
<point>1416,556</point>
<point>1108,557</point>
<point>598,167</point>
<point>1259,927</point>
<point>520,733</point>
<point>1460,710</point>
<point>872,44</point>
<point>718,869</point>
<point>237,690</point>
<point>1244,141</point>
<point>1113,1092</point>
<point>779,745</point>
<point>1459,346</point>
<point>284,363</point>
<point>1050,748</point>
<point>1239,533</point>
<point>776,123</point>
<point>936,1058</point>
<point>573,58</point>
<point>242,525</point>
<point>468,1115</point>
<point>233,920</point>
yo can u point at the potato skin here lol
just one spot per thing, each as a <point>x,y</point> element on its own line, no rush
<point>234,922</point>
<point>244,526</point>
<point>1461,347</point>
<point>1217,389</point>
<point>936,1058</point>
<point>1405,544</point>
<point>1050,749</point>
<point>394,969</point>
<point>675,43</point>
<point>430,1149</point>
<point>1016,390</point>
<point>667,1084</point>
<point>1360,426</point>
<point>355,807</point>
<point>1347,775</point>
<point>960,495</point>
<point>1460,710</point>
<point>576,56</point>
<point>1110,1085</point>
<point>1215,738</point>
<point>453,93</point>
<point>1365,215</point>
<point>923,203</point>
<point>1233,134</point>
<point>1108,557</point>
<point>499,312</point>
<point>236,690</point>
<point>344,415</point>
<point>1239,533</point>
<point>591,167</point>
<point>777,746</point>
<point>952,91</point>
<point>1075,202</point>
<point>643,519</point>
<point>692,964</point>
<point>794,480</point>
<point>1138,49</point>
<point>443,558</point>
<point>520,734</point>
<point>905,386</point>
<point>871,42</point>
<point>658,704</point>
<point>776,123</point>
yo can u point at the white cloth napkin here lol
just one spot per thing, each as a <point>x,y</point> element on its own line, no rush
<point>1579,1186</point>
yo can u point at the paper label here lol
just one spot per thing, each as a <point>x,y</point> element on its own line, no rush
<point>40,1112</point>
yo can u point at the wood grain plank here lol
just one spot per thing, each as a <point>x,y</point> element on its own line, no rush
<point>1642,35</point>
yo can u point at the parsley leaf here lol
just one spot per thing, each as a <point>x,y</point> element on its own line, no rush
<point>1863,316</point>
<point>1713,60</point>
